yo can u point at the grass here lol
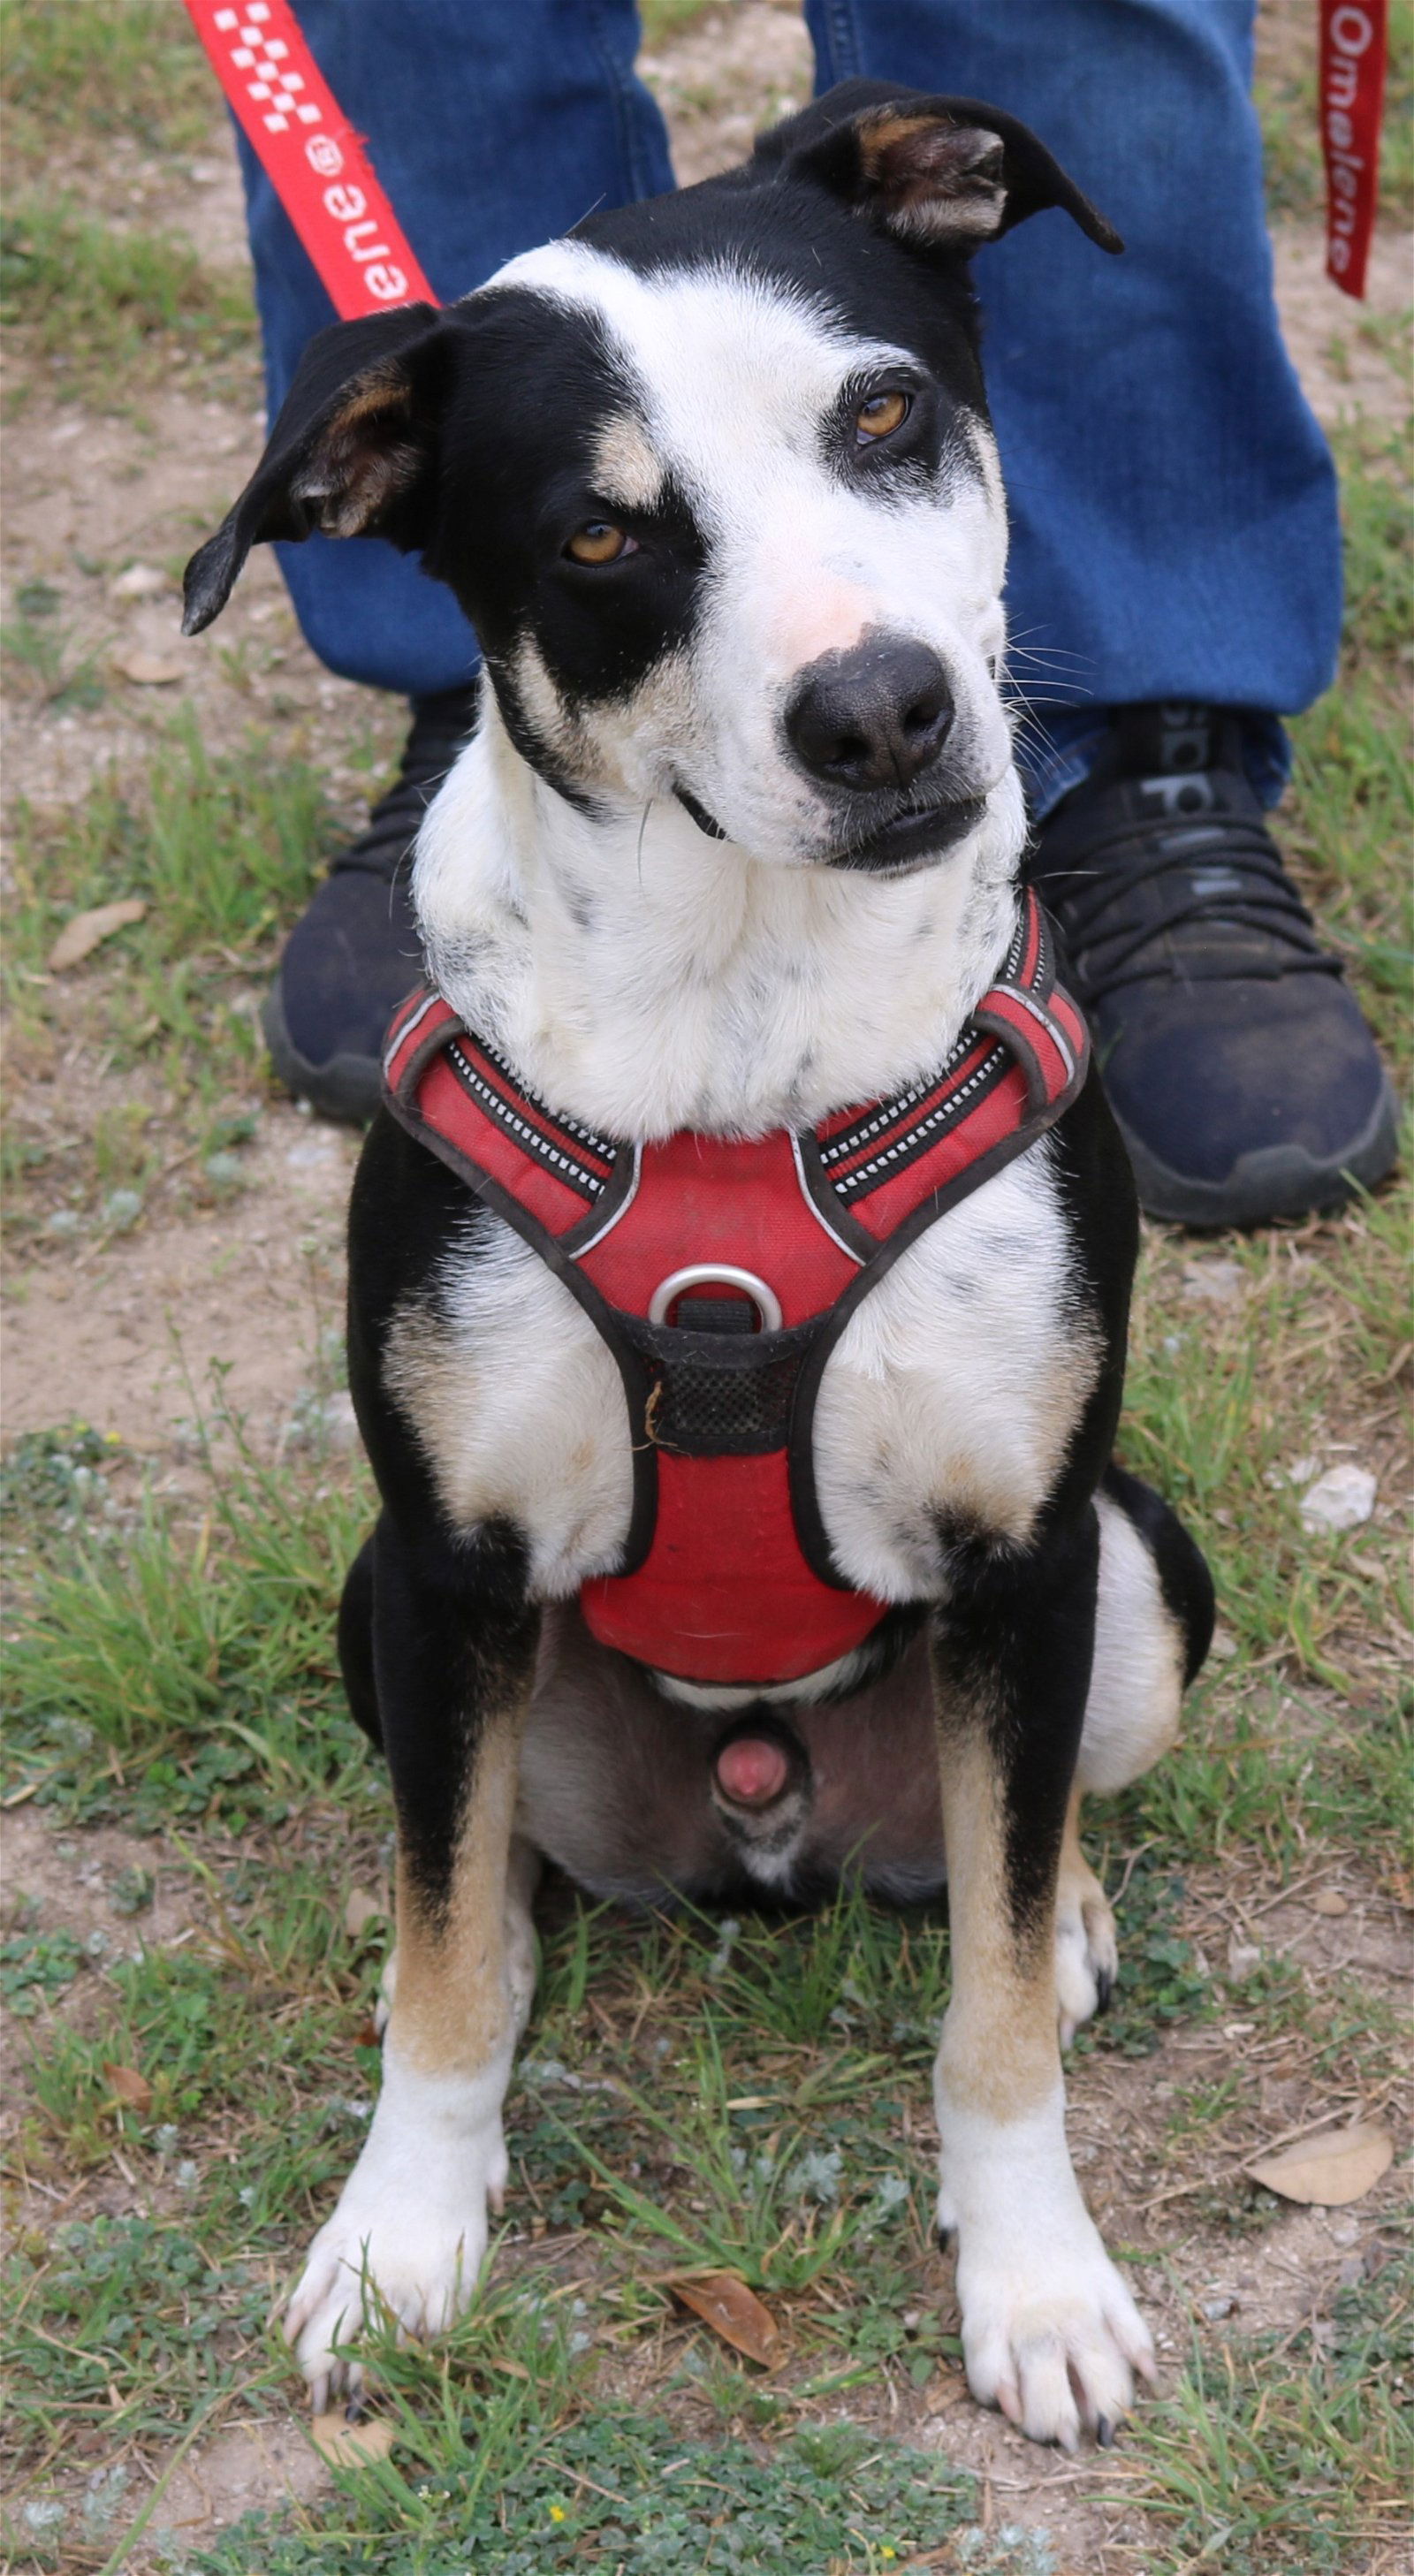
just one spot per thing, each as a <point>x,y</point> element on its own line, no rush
<point>224,849</point>
<point>85,68</point>
<point>108,311</point>
<point>1287,103</point>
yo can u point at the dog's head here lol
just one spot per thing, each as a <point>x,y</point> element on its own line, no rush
<point>713,480</point>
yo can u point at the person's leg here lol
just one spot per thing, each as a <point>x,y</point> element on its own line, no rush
<point>1175,576</point>
<point>491,130</point>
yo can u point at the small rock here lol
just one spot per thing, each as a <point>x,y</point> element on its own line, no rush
<point>140,581</point>
<point>338,1421</point>
<point>1242,1958</point>
<point>150,670</point>
<point>1212,2309</point>
<point>1340,1499</point>
<point>1223,1647</point>
<point>1328,1900</point>
<point>1301,1470</point>
<point>1218,1281</point>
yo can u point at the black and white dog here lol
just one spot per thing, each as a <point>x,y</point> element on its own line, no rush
<point>733,850</point>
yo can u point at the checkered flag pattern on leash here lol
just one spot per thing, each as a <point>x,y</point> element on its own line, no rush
<point>318,166</point>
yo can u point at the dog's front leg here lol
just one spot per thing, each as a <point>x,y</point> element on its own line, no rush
<point>453,1651</point>
<point>1050,2332</point>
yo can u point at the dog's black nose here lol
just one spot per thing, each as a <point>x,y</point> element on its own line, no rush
<point>872,717</point>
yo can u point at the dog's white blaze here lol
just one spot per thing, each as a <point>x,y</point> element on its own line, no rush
<point>737,378</point>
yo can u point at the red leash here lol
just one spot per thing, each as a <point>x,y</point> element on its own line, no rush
<point>1354,47</point>
<point>324,179</point>
<point>315,162</point>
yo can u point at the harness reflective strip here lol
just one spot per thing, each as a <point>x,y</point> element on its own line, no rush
<point>1354,50</point>
<point>315,162</point>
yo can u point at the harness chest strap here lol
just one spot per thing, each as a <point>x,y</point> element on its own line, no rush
<point>721,1274</point>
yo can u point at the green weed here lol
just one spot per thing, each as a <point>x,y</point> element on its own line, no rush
<point>624,2491</point>
<point>1261,2464</point>
<point>224,849</point>
<point>107,308</point>
<point>191,1667</point>
<point>88,67</point>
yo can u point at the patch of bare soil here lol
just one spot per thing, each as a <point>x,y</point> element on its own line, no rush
<point>125,1338</point>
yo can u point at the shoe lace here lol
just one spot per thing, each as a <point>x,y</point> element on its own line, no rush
<point>1114,920</point>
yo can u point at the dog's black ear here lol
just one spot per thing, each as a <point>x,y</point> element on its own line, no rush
<point>349,453</point>
<point>946,173</point>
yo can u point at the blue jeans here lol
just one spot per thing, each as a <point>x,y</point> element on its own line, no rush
<point>1173,501</point>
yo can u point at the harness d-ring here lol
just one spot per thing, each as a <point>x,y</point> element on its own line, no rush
<point>716,1274</point>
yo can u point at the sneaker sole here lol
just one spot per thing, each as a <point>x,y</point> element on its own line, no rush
<point>348,1087</point>
<point>1275,1181</point>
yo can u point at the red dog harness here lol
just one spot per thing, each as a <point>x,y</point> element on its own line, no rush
<point>721,1274</point>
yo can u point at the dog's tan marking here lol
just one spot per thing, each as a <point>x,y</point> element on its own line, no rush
<point>934,177</point>
<point>1076,1882</point>
<point>452,2007</point>
<point>998,2054</point>
<point>361,463</point>
<point>625,467</point>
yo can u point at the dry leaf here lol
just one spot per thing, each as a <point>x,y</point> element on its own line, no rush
<point>1328,1900</point>
<point>723,2302</point>
<point>1340,2165</point>
<point>88,930</point>
<point>130,2087</point>
<point>361,1910</point>
<point>150,670</point>
<point>343,2444</point>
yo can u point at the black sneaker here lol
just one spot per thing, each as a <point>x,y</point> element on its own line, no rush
<point>1235,1057</point>
<point>354,955</point>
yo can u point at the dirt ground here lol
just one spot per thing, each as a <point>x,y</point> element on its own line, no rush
<point>125,1331</point>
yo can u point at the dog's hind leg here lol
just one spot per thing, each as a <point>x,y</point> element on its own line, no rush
<point>1153,1624</point>
<point>356,1644</point>
<point>454,1642</point>
<point>1050,2332</point>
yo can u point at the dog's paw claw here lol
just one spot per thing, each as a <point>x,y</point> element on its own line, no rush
<point>1055,2345</point>
<point>1087,1951</point>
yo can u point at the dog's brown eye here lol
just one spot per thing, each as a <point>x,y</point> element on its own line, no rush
<point>598,543</point>
<point>881,415</point>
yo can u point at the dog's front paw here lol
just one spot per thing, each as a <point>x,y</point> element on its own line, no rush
<point>1087,1949</point>
<point>408,2237</point>
<point>1050,2333</point>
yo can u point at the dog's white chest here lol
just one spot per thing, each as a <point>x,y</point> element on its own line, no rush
<point>946,1404</point>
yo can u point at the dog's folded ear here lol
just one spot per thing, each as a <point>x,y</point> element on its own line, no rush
<point>349,453</point>
<point>945,173</point>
